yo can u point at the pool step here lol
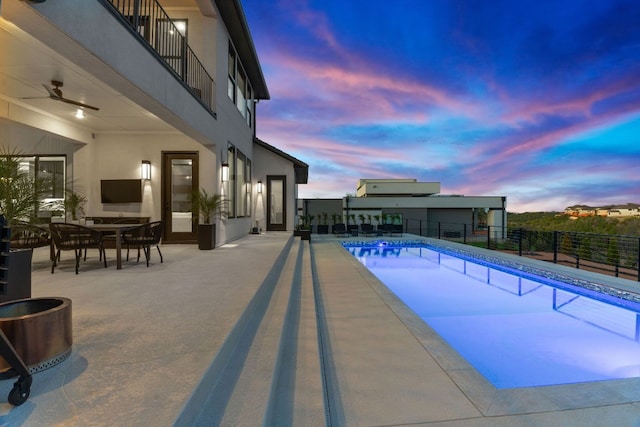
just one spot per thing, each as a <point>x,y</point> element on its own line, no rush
<point>269,374</point>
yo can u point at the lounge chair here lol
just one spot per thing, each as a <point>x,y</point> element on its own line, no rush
<point>340,229</point>
<point>367,230</point>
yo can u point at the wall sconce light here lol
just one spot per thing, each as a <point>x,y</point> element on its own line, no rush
<point>259,186</point>
<point>225,171</point>
<point>145,170</point>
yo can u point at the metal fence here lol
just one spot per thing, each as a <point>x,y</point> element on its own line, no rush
<point>608,254</point>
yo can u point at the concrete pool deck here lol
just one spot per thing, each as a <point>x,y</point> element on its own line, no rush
<point>269,330</point>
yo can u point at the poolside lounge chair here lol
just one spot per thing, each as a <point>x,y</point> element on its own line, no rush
<point>367,229</point>
<point>340,229</point>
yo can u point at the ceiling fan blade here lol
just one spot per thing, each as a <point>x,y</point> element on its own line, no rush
<point>79,104</point>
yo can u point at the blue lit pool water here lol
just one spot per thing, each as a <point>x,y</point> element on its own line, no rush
<point>516,329</point>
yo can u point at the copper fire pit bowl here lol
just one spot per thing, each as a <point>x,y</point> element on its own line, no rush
<point>40,331</point>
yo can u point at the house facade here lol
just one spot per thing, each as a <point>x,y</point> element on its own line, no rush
<point>94,92</point>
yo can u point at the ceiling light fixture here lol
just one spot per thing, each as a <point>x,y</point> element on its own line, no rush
<point>80,114</point>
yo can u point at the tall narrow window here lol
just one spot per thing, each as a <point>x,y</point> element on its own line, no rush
<point>241,188</point>
<point>231,189</point>
<point>231,79</point>
<point>241,101</point>
<point>249,188</point>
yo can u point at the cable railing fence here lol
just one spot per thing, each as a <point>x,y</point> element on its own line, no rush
<point>605,253</point>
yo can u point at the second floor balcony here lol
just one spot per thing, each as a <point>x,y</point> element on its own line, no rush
<point>167,39</point>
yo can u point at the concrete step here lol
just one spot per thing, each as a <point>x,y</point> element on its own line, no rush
<point>247,355</point>
<point>268,372</point>
<point>297,396</point>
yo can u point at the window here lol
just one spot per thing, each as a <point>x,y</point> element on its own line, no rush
<point>238,87</point>
<point>247,176</point>
<point>231,79</point>
<point>231,187</point>
<point>241,185</point>
<point>49,173</point>
<point>241,101</point>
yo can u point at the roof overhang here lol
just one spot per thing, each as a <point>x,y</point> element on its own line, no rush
<point>300,168</point>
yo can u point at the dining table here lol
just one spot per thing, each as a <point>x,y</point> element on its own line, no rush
<point>117,230</point>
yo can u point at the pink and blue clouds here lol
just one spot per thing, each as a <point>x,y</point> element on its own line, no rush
<point>536,100</point>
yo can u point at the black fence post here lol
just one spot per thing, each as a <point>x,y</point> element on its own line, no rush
<point>520,234</point>
<point>464,238</point>
<point>638,264</point>
<point>488,237</point>
<point>555,247</point>
<point>438,229</point>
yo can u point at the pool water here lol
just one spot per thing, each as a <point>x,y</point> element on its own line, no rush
<point>517,330</point>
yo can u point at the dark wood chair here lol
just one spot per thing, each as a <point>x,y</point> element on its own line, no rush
<point>77,238</point>
<point>26,235</point>
<point>144,236</point>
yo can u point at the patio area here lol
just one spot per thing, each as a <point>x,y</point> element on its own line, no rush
<point>269,330</point>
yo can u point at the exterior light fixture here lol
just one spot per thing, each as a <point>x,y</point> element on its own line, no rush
<point>225,171</point>
<point>259,186</point>
<point>145,170</point>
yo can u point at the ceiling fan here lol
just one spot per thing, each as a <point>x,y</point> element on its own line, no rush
<point>55,93</point>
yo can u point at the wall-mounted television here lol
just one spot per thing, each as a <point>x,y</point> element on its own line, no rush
<point>121,190</point>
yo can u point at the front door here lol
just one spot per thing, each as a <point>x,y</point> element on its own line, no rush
<point>179,180</point>
<point>276,203</point>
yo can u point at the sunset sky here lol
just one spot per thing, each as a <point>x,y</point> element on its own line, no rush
<point>538,101</point>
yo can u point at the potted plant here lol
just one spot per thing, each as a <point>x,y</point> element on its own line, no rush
<point>20,195</point>
<point>323,228</point>
<point>304,229</point>
<point>210,207</point>
<point>74,204</point>
<point>336,218</point>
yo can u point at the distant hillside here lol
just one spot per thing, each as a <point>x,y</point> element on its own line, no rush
<point>552,221</point>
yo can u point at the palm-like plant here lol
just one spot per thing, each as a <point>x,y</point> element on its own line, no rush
<point>210,206</point>
<point>20,193</point>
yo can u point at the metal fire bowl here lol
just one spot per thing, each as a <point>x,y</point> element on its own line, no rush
<point>40,331</point>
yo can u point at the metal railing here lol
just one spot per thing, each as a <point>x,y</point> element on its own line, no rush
<point>611,254</point>
<point>148,21</point>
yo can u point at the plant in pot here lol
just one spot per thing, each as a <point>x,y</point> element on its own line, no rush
<point>336,218</point>
<point>305,229</point>
<point>74,204</point>
<point>20,195</point>
<point>323,228</point>
<point>210,207</point>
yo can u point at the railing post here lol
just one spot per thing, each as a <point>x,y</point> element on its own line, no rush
<point>555,247</point>
<point>520,233</point>
<point>420,226</point>
<point>638,264</point>
<point>438,229</point>
<point>464,238</point>
<point>488,237</point>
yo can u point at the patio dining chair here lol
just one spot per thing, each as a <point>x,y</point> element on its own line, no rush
<point>143,237</point>
<point>27,235</point>
<point>77,238</point>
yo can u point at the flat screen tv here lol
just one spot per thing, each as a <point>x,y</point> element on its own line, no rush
<point>121,190</point>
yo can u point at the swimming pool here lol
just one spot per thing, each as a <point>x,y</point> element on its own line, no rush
<point>517,328</point>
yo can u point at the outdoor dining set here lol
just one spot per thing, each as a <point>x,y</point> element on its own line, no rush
<point>62,236</point>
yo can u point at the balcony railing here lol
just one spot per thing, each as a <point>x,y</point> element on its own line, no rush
<point>151,24</point>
